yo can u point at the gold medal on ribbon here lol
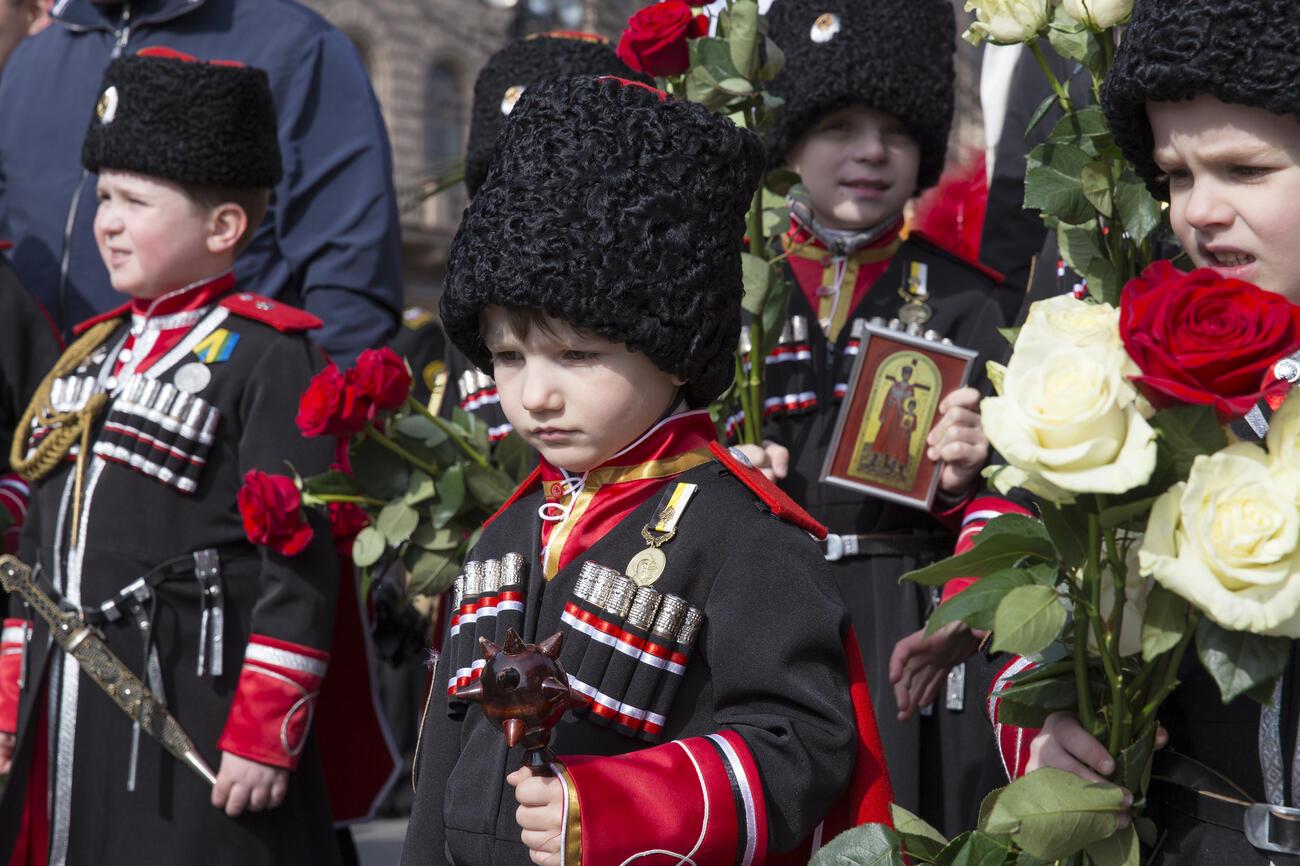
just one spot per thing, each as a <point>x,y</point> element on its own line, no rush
<point>915,292</point>
<point>648,565</point>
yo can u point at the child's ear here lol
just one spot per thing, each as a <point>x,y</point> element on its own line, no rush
<point>227,225</point>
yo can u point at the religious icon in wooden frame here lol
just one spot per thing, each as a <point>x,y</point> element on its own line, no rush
<point>878,447</point>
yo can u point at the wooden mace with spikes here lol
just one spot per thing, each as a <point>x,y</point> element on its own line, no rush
<point>524,691</point>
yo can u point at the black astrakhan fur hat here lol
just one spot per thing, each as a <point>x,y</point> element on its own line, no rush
<point>1238,51</point>
<point>524,62</point>
<point>168,115</point>
<point>895,56</point>
<point>622,212</point>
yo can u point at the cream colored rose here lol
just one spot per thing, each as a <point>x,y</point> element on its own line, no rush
<point>1284,439</point>
<point>1226,540</point>
<point>1064,319</point>
<point>1097,14</point>
<point>1006,22</point>
<point>1067,421</point>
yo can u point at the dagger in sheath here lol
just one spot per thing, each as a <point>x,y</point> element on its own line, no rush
<point>110,673</point>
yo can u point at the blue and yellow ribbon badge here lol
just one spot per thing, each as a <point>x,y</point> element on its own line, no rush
<point>216,347</point>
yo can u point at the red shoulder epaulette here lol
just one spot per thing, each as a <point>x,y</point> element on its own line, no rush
<point>773,497</point>
<point>528,484</point>
<point>927,240</point>
<point>82,327</point>
<point>282,317</point>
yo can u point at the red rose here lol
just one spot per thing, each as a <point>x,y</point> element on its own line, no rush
<point>381,375</point>
<point>272,511</point>
<point>346,520</point>
<point>1203,340</point>
<point>655,39</point>
<point>332,405</point>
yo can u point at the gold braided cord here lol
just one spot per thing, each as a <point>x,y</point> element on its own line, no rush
<point>65,428</point>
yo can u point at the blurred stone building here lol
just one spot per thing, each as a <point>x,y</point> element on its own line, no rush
<point>423,56</point>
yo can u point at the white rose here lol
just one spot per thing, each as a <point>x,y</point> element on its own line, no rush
<point>1006,22</point>
<point>1226,540</point>
<point>1284,439</point>
<point>1097,14</point>
<point>1064,319</point>
<point>1067,421</point>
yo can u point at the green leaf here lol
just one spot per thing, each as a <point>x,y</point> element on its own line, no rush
<point>779,181</point>
<point>397,521</point>
<point>1164,622</point>
<point>1002,543</point>
<point>736,87</point>
<point>490,487</point>
<point>1053,814</point>
<point>419,489</point>
<point>475,428</point>
<point>1040,112</point>
<point>1027,620</point>
<point>1185,433</point>
<point>1052,182</point>
<point>367,547</point>
<point>1082,127</point>
<point>1095,179</point>
<point>702,87</point>
<point>451,495</point>
<point>429,538</point>
<point>1138,211</point>
<point>326,483</point>
<point>979,849</point>
<point>864,845</point>
<point>1240,661</point>
<point>379,472</point>
<point>1121,849</point>
<point>773,63</point>
<point>432,573</point>
<point>417,427</point>
<point>514,456</point>
<point>742,36</point>
<point>1067,527</point>
<point>757,278</point>
<point>714,56</point>
<point>918,837</point>
<point>1077,42</point>
<point>976,604</point>
<point>1010,334</point>
<point>1029,704</point>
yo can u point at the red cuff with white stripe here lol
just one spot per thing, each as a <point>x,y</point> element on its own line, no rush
<point>14,494</point>
<point>698,800</point>
<point>1013,742</point>
<point>978,512</point>
<point>11,663</point>
<point>271,715</point>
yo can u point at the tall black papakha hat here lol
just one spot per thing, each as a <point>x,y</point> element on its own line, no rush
<point>516,67</point>
<point>619,210</point>
<point>1238,51</point>
<point>169,115</point>
<point>895,56</point>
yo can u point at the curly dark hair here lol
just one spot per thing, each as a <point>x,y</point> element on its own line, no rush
<point>522,63</point>
<point>1238,51</point>
<point>895,56</point>
<point>620,211</point>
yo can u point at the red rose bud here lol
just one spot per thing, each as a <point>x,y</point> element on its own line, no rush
<point>332,405</point>
<point>271,508</point>
<point>346,520</point>
<point>655,39</point>
<point>1203,340</point>
<point>381,375</point>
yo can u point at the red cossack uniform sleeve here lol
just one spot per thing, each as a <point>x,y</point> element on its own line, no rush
<point>975,515</point>
<point>1012,742</point>
<point>275,701</point>
<point>12,643</point>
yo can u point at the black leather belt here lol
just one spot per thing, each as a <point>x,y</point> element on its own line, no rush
<point>898,544</point>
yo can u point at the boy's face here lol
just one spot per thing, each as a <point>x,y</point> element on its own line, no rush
<point>1234,184</point>
<point>577,398</point>
<point>859,166</point>
<point>152,237</point>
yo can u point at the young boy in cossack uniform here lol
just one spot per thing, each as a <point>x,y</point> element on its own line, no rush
<point>1214,130</point>
<point>596,276</point>
<point>138,445</point>
<point>868,90</point>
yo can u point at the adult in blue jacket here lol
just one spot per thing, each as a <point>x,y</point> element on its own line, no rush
<point>330,242</point>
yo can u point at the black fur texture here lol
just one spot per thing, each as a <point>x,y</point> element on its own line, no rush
<point>619,211</point>
<point>202,124</point>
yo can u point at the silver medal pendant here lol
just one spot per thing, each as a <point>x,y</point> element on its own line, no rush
<point>193,377</point>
